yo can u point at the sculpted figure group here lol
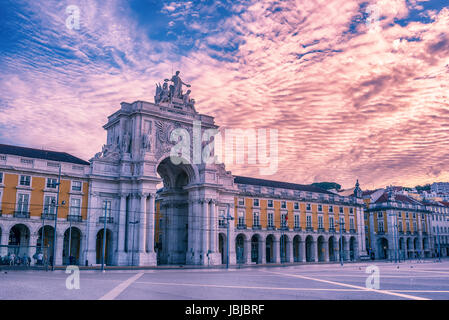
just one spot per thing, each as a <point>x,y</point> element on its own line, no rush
<point>166,93</point>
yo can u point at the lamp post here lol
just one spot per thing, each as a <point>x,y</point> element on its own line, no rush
<point>56,220</point>
<point>227,218</point>
<point>341,223</point>
<point>439,246</point>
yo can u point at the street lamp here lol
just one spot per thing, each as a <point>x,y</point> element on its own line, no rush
<point>341,223</point>
<point>227,218</point>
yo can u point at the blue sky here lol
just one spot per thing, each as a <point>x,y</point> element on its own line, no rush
<point>349,99</point>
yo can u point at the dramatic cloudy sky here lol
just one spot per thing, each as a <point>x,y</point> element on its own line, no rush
<point>352,96</point>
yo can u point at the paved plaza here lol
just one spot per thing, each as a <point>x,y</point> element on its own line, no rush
<point>409,280</point>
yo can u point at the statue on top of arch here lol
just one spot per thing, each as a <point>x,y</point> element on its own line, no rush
<point>173,93</point>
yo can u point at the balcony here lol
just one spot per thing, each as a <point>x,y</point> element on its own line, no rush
<point>48,216</point>
<point>108,219</point>
<point>283,228</point>
<point>21,214</point>
<point>409,233</point>
<point>271,228</point>
<point>75,218</point>
<point>309,229</point>
<point>297,229</point>
<point>257,227</point>
<point>381,232</point>
<point>241,226</point>
<point>222,224</point>
<point>332,230</point>
<point>352,231</point>
<point>320,229</point>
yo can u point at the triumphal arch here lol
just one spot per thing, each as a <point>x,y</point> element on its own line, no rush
<point>155,185</point>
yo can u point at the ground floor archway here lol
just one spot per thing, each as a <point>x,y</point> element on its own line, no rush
<point>269,249</point>
<point>108,247</point>
<point>240,248</point>
<point>72,245</point>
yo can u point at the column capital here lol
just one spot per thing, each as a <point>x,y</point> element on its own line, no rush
<point>144,194</point>
<point>123,194</point>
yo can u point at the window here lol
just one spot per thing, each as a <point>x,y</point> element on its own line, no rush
<point>331,223</point>
<point>296,221</point>
<point>400,226</point>
<point>380,214</point>
<point>76,185</point>
<point>309,207</point>
<point>414,215</point>
<point>241,220</point>
<point>400,214</point>
<point>406,215</point>
<point>75,207</point>
<point>365,215</point>
<point>320,208</point>
<point>341,209</point>
<point>241,202</point>
<point>1,177</point>
<point>309,221</point>
<point>221,220</point>
<point>320,222</point>
<point>284,220</point>
<point>51,183</point>
<point>351,210</point>
<point>414,226</point>
<point>22,203</point>
<point>351,223</point>
<point>283,205</point>
<point>256,220</point>
<point>256,202</point>
<point>270,222</point>
<point>380,226</point>
<point>423,226</point>
<point>331,209</point>
<point>408,226</point>
<point>296,206</point>
<point>49,204</point>
<point>270,203</point>
<point>25,180</point>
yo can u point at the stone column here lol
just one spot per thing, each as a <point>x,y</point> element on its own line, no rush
<point>212,227</point>
<point>143,223</point>
<point>262,250</point>
<point>196,227</point>
<point>346,251</point>
<point>204,221</point>
<point>276,251</point>
<point>92,219</point>
<point>59,248</point>
<point>247,251</point>
<point>120,257</point>
<point>326,250</point>
<point>314,250</point>
<point>290,251</point>
<point>32,247</point>
<point>302,250</point>
<point>337,249</point>
<point>4,242</point>
<point>151,223</point>
<point>190,234</point>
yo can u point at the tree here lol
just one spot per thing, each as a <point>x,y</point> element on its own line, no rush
<point>327,185</point>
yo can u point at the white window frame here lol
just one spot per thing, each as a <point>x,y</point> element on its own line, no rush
<point>256,219</point>
<point>309,221</point>
<point>297,221</point>
<point>51,187</point>
<point>241,218</point>
<point>2,177</point>
<point>270,219</point>
<point>331,222</point>
<point>320,222</point>
<point>18,201</point>
<point>270,202</point>
<point>20,180</point>
<point>73,185</point>
<point>71,208</point>
<point>256,204</point>
<point>50,206</point>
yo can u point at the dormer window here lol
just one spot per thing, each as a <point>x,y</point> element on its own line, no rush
<point>256,202</point>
